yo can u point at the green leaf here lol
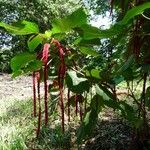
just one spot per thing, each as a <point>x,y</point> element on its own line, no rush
<point>83,42</point>
<point>89,32</point>
<point>75,80</point>
<point>17,73</point>
<point>93,73</point>
<point>137,10</point>
<point>33,66</point>
<point>88,51</point>
<point>20,60</point>
<point>118,79</point>
<point>130,113</point>
<point>112,104</point>
<point>100,92</point>
<point>108,98</point>
<point>24,63</point>
<point>87,126</point>
<point>76,19</point>
<point>97,103</point>
<point>127,64</point>
<point>128,74</point>
<point>21,27</point>
<point>33,42</point>
<point>76,84</point>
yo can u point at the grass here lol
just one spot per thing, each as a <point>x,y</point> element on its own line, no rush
<point>18,130</point>
<point>18,126</point>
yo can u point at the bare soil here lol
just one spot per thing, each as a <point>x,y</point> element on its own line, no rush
<point>19,88</point>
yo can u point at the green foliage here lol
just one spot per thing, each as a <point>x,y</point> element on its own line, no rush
<point>77,84</point>
<point>34,42</point>
<point>24,63</point>
<point>36,12</point>
<point>88,51</point>
<point>121,63</point>
<point>76,19</point>
<point>21,27</point>
<point>134,12</point>
<point>89,32</point>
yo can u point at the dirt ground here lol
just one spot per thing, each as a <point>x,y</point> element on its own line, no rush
<point>19,88</point>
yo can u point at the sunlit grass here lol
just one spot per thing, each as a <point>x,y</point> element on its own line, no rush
<point>18,130</point>
<point>16,125</point>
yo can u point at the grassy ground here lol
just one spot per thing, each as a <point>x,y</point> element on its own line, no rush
<point>17,131</point>
<point>16,126</point>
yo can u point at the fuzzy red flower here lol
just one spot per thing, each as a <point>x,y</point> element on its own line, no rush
<point>45,53</point>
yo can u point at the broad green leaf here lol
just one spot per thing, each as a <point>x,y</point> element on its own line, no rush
<point>76,19</point>
<point>89,32</point>
<point>129,113</point>
<point>118,79</point>
<point>75,80</point>
<point>34,41</point>
<point>17,73</point>
<point>112,104</point>
<point>107,92</point>
<point>93,73</point>
<point>92,42</point>
<point>137,10</point>
<point>33,66</point>
<point>101,93</point>
<point>127,64</point>
<point>97,103</point>
<point>25,63</point>
<point>87,126</point>
<point>21,60</point>
<point>88,51</point>
<point>59,36</point>
<point>76,84</point>
<point>21,27</point>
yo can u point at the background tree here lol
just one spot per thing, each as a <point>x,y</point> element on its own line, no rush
<point>41,12</point>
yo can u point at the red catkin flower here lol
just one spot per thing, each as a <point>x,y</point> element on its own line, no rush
<point>61,74</point>
<point>34,94</point>
<point>39,102</point>
<point>45,56</point>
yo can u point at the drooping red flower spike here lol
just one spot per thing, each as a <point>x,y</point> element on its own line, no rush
<point>45,56</point>
<point>34,94</point>
<point>39,102</point>
<point>45,53</point>
<point>61,75</point>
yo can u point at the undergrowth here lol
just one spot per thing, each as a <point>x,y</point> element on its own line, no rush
<point>17,131</point>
